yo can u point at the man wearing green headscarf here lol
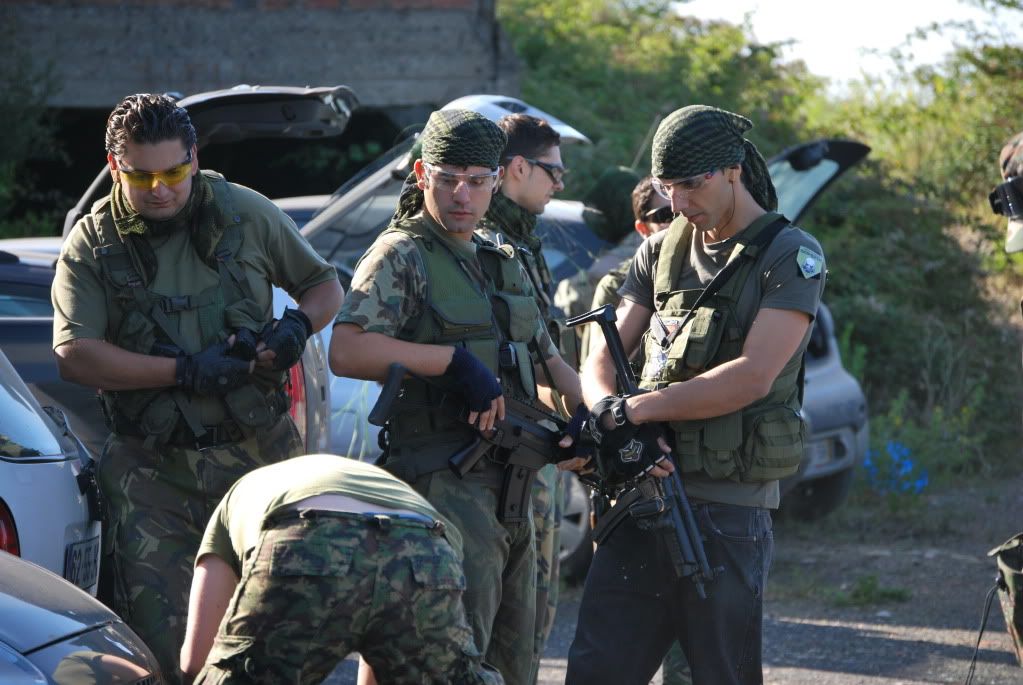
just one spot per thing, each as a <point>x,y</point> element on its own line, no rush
<point>459,314</point>
<point>722,374</point>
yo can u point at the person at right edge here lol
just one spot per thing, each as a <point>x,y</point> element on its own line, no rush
<point>725,393</point>
<point>1007,197</point>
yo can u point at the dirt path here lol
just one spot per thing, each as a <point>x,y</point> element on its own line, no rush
<point>879,593</point>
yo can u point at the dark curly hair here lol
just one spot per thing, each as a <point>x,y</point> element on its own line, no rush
<point>527,136</point>
<point>148,118</point>
<point>641,196</point>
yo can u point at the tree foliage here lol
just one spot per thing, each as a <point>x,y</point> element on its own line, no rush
<point>916,270</point>
<point>28,131</point>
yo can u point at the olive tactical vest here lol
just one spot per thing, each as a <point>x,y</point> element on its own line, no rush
<point>143,321</point>
<point>759,443</point>
<point>490,314</point>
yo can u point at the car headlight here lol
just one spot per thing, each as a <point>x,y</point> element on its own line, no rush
<point>17,670</point>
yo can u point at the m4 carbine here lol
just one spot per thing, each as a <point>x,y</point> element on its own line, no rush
<point>527,438</point>
<point>668,498</point>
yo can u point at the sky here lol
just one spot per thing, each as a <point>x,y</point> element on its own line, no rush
<point>832,35</point>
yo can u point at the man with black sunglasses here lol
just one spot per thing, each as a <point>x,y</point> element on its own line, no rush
<point>652,214</point>
<point>162,300</point>
<point>534,172</point>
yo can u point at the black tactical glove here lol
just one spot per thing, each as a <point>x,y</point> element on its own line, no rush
<point>214,370</point>
<point>245,342</point>
<point>287,339</point>
<point>475,380</point>
<point>624,450</point>
<point>582,443</point>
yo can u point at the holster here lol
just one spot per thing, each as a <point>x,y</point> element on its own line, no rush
<point>642,501</point>
<point>516,493</point>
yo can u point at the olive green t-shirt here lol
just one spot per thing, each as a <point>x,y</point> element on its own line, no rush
<point>236,523</point>
<point>777,283</point>
<point>389,288</point>
<point>272,252</point>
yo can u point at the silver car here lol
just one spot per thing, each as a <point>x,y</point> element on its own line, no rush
<point>53,633</point>
<point>45,513</point>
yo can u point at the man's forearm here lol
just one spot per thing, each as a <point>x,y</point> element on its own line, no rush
<point>566,380</point>
<point>322,302</point>
<point>598,376</point>
<point>99,364</point>
<point>721,390</point>
<point>355,353</point>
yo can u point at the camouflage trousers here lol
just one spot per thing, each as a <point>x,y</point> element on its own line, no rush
<point>548,498</point>
<point>500,569</point>
<point>158,504</point>
<point>323,584</point>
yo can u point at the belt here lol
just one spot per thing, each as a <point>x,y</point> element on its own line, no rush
<point>382,521</point>
<point>226,432</point>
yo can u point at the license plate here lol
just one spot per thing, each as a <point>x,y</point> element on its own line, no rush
<point>81,562</point>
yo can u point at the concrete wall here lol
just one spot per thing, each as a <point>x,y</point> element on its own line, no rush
<point>393,53</point>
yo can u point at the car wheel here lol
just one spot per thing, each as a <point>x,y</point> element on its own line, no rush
<point>814,499</point>
<point>576,539</point>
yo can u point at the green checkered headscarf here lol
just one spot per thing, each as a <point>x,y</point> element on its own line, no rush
<point>698,138</point>
<point>459,137</point>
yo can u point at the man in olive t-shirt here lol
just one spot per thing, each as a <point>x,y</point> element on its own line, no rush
<point>162,300</point>
<point>336,556</point>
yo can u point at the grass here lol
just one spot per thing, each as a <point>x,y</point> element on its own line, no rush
<point>867,591</point>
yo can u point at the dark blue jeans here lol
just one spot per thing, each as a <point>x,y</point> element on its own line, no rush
<point>634,607</point>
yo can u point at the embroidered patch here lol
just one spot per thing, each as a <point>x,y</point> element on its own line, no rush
<point>810,263</point>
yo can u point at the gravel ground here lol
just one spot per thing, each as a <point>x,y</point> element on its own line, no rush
<point>879,593</point>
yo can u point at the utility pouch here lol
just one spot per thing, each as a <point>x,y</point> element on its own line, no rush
<point>519,313</point>
<point>774,445</point>
<point>159,418</point>
<point>695,348</point>
<point>250,407</point>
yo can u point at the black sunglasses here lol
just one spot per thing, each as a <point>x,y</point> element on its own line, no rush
<point>661,215</point>
<point>555,171</point>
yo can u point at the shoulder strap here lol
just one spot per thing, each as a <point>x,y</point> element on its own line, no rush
<point>742,253</point>
<point>676,244</point>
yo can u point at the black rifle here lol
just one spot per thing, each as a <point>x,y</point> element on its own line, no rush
<point>686,545</point>
<point>527,445</point>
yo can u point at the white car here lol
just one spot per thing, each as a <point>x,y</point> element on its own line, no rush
<point>45,513</point>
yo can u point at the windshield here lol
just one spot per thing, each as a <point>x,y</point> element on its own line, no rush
<point>797,188</point>
<point>24,432</point>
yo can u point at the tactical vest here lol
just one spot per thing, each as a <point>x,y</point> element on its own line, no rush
<point>491,315</point>
<point>759,443</point>
<point>146,322</point>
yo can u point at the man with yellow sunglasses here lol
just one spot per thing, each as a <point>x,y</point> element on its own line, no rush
<point>163,301</point>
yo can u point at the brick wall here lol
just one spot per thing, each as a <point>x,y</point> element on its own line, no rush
<point>393,53</point>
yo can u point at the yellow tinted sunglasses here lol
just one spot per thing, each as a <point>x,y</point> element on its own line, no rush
<point>147,180</point>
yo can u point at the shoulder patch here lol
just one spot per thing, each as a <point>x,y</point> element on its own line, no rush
<point>810,263</point>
